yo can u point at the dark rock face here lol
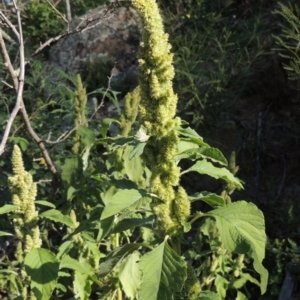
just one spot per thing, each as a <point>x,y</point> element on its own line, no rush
<point>114,40</point>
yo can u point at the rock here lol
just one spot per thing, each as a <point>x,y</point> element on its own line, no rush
<point>114,40</point>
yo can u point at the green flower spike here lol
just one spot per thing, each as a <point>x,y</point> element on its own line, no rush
<point>158,109</point>
<point>24,191</point>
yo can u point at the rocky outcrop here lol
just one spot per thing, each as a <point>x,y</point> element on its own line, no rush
<point>114,40</point>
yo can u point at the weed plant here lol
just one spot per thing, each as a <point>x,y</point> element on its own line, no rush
<point>96,232</point>
<point>121,204</point>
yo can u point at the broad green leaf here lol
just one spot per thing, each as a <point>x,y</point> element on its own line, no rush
<point>133,167</point>
<point>244,277</point>
<point>82,286</point>
<point>71,192</point>
<point>57,216</point>
<point>242,227</point>
<point>104,228</point>
<point>87,135</point>
<point>121,200</point>
<point>241,296</point>
<point>116,256</point>
<point>221,285</point>
<point>69,169</point>
<point>194,153</point>
<point>129,223</point>
<point>191,135</point>
<point>208,295</point>
<point>7,208</point>
<point>183,149</point>
<point>23,143</point>
<point>130,275</point>
<point>137,150</point>
<point>207,168</point>
<point>164,273</point>
<point>210,198</point>
<point>64,249</point>
<point>42,267</point>
<point>105,125</point>
<point>95,251</point>
<point>188,132</point>
<point>70,263</point>
<point>44,203</point>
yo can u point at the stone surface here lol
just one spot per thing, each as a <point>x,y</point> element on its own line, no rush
<point>115,40</point>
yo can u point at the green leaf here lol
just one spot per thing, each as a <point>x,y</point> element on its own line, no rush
<point>44,203</point>
<point>87,135</point>
<point>116,256</point>
<point>188,132</point>
<point>64,249</point>
<point>207,168</point>
<point>105,125</point>
<point>193,153</point>
<point>244,277</point>
<point>2,233</point>
<point>57,216</point>
<point>208,295</point>
<point>240,296</point>
<point>137,150</point>
<point>133,166</point>
<point>95,251</point>
<point>8,208</point>
<point>130,275</point>
<point>210,198</point>
<point>85,158</point>
<point>42,266</point>
<point>191,135</point>
<point>242,227</point>
<point>121,200</point>
<point>69,169</point>
<point>221,285</point>
<point>71,192</point>
<point>164,273</point>
<point>82,286</point>
<point>186,150</point>
<point>23,143</point>
<point>104,228</point>
<point>70,263</point>
<point>141,135</point>
<point>129,223</point>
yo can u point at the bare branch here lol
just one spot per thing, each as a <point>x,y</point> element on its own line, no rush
<point>4,19</point>
<point>58,12</point>
<point>84,25</point>
<point>18,104</point>
<point>18,86</point>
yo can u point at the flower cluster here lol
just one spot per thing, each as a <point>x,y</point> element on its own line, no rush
<point>24,191</point>
<point>157,110</point>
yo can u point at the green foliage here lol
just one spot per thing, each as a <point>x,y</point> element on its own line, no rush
<point>164,273</point>
<point>217,57</point>
<point>42,267</point>
<point>104,227</point>
<point>42,22</point>
<point>288,40</point>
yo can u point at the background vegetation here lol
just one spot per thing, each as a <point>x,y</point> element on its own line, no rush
<point>238,83</point>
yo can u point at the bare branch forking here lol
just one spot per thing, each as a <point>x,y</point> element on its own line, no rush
<point>18,83</point>
<point>17,76</point>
